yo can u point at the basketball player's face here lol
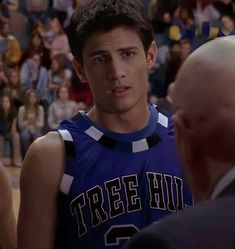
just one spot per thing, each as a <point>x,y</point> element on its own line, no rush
<point>116,66</point>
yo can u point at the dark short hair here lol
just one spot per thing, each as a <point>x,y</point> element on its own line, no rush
<point>104,15</point>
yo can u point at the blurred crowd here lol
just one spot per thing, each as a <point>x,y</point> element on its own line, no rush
<point>180,27</point>
<point>38,86</point>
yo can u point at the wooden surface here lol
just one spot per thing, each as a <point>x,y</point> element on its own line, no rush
<point>16,201</point>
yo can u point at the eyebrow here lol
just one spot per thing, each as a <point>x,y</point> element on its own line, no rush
<point>105,51</point>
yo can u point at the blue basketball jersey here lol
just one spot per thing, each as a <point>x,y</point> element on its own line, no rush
<point>115,184</point>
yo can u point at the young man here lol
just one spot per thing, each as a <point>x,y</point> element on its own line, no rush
<point>117,169</point>
<point>7,219</point>
<point>204,121</point>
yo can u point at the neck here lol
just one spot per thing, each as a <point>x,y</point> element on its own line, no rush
<point>127,122</point>
<point>63,101</point>
<point>31,107</point>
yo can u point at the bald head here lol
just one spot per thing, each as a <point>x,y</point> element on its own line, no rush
<point>207,78</point>
<point>204,97</point>
<point>204,103</point>
<point>205,86</point>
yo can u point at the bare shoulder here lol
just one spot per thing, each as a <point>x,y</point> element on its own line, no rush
<point>3,175</point>
<point>5,190</point>
<point>51,140</point>
<point>44,161</point>
<point>7,219</point>
<point>40,180</point>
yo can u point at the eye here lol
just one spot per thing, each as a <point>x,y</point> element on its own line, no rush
<point>128,54</point>
<point>100,59</point>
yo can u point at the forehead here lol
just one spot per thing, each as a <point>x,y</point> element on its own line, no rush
<point>54,61</point>
<point>36,57</point>
<point>117,38</point>
<point>5,99</point>
<point>226,19</point>
<point>35,35</point>
<point>63,89</point>
<point>32,94</point>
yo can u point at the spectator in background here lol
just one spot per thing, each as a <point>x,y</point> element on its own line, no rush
<point>9,46</point>
<point>15,89</point>
<point>18,23</point>
<point>58,75</point>
<point>7,219</point>
<point>4,13</point>
<point>61,8</point>
<point>55,38</point>
<point>225,7</point>
<point>173,63</point>
<point>80,92</point>
<point>183,25</point>
<point>62,108</point>
<point>3,77</point>
<point>179,51</point>
<point>185,48</point>
<point>30,119</point>
<point>36,44</point>
<point>204,11</point>
<point>37,11</point>
<point>160,13</point>
<point>8,129</point>
<point>228,25</point>
<point>165,104</point>
<point>34,76</point>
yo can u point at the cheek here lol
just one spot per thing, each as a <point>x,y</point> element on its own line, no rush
<point>137,68</point>
<point>97,80</point>
<point>92,73</point>
<point>139,74</point>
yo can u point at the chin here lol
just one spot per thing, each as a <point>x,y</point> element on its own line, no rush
<point>123,108</point>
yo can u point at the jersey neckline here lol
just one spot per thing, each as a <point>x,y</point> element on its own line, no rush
<point>147,131</point>
<point>139,141</point>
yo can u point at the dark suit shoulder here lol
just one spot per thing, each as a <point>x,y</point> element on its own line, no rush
<point>210,224</point>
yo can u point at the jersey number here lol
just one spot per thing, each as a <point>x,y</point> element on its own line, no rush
<point>119,232</point>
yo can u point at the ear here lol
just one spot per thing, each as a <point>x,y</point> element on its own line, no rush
<point>183,140</point>
<point>151,55</point>
<point>79,71</point>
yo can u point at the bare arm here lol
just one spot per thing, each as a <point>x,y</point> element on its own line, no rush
<point>7,219</point>
<point>23,123</point>
<point>39,184</point>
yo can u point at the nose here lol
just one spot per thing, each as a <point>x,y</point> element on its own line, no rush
<point>116,70</point>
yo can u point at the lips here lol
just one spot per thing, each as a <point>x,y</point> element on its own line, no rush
<point>120,91</point>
